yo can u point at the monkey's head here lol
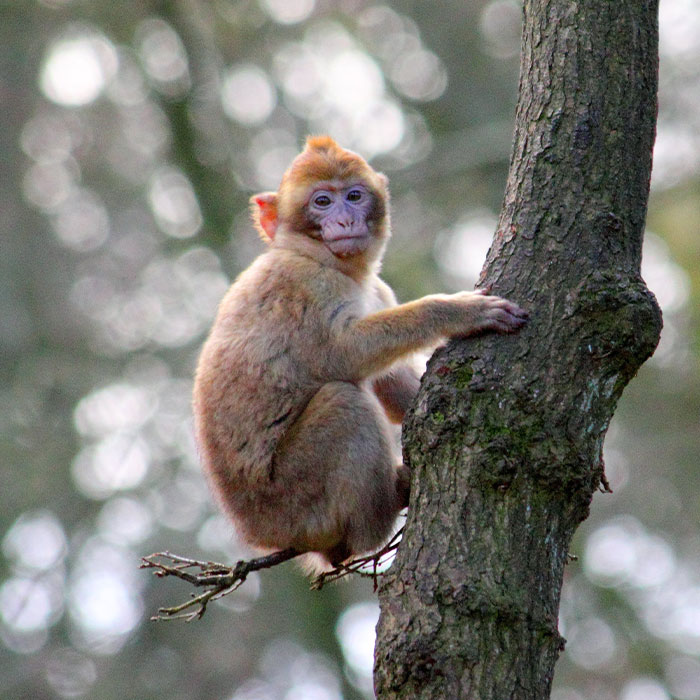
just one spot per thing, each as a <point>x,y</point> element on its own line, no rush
<point>331,196</point>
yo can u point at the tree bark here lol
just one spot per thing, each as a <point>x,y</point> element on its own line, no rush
<point>505,440</point>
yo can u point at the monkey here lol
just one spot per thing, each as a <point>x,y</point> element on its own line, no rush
<point>308,365</point>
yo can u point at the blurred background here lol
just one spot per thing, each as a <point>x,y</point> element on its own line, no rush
<point>132,134</point>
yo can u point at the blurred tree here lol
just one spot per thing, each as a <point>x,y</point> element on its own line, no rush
<point>132,134</point>
<point>503,477</point>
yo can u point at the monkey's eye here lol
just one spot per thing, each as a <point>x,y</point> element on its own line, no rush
<point>354,196</point>
<point>322,200</point>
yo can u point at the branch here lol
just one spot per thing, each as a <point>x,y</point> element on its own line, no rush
<point>359,566</point>
<point>218,580</point>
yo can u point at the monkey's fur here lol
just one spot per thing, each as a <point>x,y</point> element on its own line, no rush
<point>307,364</point>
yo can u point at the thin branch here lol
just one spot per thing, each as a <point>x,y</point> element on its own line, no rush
<point>219,580</point>
<point>359,566</point>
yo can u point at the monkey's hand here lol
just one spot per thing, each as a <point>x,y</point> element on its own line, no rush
<point>367,345</point>
<point>490,313</point>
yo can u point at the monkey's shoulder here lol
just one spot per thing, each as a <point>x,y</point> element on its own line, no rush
<point>280,284</point>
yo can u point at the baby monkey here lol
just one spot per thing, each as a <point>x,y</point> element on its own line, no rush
<point>308,364</point>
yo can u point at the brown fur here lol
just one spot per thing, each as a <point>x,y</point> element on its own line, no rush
<point>306,366</point>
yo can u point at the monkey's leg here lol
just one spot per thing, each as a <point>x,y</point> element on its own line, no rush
<point>396,390</point>
<point>338,461</point>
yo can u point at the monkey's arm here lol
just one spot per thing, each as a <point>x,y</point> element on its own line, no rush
<point>367,345</point>
<point>396,390</point>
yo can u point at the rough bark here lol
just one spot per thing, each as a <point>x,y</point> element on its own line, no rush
<point>505,440</point>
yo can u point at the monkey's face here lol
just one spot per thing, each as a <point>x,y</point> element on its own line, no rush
<point>343,216</point>
<point>332,198</point>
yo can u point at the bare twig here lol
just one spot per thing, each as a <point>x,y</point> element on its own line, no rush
<point>360,565</point>
<point>219,580</point>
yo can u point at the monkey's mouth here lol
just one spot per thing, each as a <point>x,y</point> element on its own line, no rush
<point>348,237</point>
<point>350,244</point>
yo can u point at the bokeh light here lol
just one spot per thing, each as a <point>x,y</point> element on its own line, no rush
<point>81,221</point>
<point>70,673</point>
<point>683,674</point>
<point>247,95</point>
<point>355,630</point>
<point>680,26</point>
<point>174,204</point>
<point>676,153</point>
<point>644,689</point>
<point>592,645</point>
<point>289,11</point>
<point>163,56</point>
<point>340,89</point>
<point>500,26</point>
<point>461,251</point>
<point>115,463</point>
<point>104,602</point>
<point>47,185</point>
<point>622,553</point>
<point>26,604</point>
<point>77,68</point>
<point>35,542</point>
<point>125,520</point>
<point>117,407</point>
<point>672,288</point>
<point>290,672</point>
<point>419,75</point>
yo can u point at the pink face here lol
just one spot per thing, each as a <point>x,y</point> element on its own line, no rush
<point>343,215</point>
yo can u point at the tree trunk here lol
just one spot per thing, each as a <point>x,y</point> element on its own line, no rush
<point>505,440</point>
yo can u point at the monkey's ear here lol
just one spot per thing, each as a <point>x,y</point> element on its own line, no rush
<point>263,209</point>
